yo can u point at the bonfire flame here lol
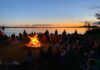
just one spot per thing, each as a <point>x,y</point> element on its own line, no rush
<point>34,41</point>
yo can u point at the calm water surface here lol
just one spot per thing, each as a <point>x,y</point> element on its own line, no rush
<point>10,31</point>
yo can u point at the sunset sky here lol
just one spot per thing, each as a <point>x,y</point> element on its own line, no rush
<point>30,12</point>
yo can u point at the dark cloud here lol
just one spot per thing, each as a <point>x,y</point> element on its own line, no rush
<point>95,7</point>
<point>98,23</point>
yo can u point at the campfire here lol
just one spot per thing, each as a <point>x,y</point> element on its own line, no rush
<point>34,42</point>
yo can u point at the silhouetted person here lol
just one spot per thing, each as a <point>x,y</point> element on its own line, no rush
<point>29,62</point>
<point>20,36</point>
<point>47,35</point>
<point>64,33</point>
<point>75,32</point>
<point>13,36</point>
<point>43,59</point>
<point>64,37</point>
<point>24,33</point>
<point>56,32</point>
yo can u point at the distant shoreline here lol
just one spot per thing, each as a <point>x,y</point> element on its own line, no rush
<point>51,27</point>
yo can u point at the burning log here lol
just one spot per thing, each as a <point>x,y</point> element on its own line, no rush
<point>34,42</point>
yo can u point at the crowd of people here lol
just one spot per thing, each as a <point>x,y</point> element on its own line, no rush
<point>65,52</point>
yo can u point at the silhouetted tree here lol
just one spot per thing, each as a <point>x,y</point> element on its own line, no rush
<point>88,24</point>
<point>97,16</point>
<point>3,28</point>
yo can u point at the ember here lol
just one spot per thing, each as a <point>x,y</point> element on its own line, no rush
<point>34,41</point>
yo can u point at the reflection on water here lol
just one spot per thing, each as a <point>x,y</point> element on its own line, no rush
<point>10,31</point>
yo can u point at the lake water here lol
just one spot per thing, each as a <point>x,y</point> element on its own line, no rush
<point>10,31</point>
